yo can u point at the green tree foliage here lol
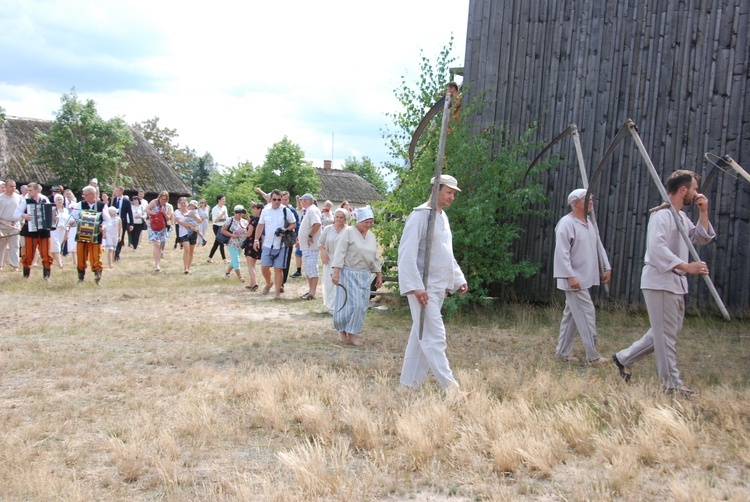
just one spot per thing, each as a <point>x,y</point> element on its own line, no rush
<point>285,168</point>
<point>367,170</point>
<point>2,114</point>
<point>200,174</point>
<point>162,139</point>
<point>488,164</point>
<point>81,145</point>
<point>237,185</point>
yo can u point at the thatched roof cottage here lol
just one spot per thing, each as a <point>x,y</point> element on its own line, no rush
<point>18,146</point>
<point>338,186</point>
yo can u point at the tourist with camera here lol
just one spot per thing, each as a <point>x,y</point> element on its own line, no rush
<point>281,223</point>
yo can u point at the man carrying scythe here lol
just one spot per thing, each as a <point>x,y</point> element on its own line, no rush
<point>663,281</point>
<point>427,269</point>
<point>427,352</point>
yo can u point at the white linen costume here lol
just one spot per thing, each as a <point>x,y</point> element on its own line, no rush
<point>357,257</point>
<point>328,238</point>
<point>58,233</point>
<point>576,255</point>
<point>444,275</point>
<point>9,225</point>
<point>664,291</point>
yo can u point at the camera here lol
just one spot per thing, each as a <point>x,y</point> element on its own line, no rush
<point>280,231</point>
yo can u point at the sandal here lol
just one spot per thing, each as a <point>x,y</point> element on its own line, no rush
<point>252,288</point>
<point>621,367</point>
<point>307,296</point>
<point>227,275</point>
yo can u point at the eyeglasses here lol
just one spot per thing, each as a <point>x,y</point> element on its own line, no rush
<point>275,200</point>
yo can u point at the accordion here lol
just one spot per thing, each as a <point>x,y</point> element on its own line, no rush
<point>42,216</point>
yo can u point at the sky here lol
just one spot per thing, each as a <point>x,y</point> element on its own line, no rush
<point>231,77</point>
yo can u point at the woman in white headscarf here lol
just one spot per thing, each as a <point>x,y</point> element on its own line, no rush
<point>355,259</point>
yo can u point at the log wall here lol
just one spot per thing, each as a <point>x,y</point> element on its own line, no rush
<point>679,69</point>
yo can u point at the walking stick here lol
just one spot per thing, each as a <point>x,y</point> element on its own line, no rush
<point>433,202</point>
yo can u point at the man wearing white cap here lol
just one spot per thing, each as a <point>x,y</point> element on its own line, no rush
<point>576,269</point>
<point>95,183</point>
<point>444,275</point>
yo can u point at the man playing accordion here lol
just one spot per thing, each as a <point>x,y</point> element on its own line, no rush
<point>89,215</point>
<point>37,222</point>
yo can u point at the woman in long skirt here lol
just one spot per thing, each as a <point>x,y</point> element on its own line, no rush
<point>327,247</point>
<point>355,259</point>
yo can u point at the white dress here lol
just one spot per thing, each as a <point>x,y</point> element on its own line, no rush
<point>328,238</point>
<point>112,226</point>
<point>57,236</point>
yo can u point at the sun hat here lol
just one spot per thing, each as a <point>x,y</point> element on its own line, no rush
<point>576,195</point>
<point>448,181</point>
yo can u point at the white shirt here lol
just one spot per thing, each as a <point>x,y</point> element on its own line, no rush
<point>75,214</point>
<point>273,219</point>
<point>21,209</point>
<point>356,252</point>
<point>445,274</point>
<point>312,216</point>
<point>576,253</point>
<point>138,213</point>
<point>219,214</point>
<point>665,249</point>
<point>8,205</point>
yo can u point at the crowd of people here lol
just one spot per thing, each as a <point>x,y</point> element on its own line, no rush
<point>342,242</point>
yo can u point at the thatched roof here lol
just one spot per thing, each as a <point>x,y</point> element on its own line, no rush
<point>337,185</point>
<point>18,146</point>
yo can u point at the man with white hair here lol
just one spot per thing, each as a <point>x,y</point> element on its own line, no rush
<point>576,269</point>
<point>309,233</point>
<point>428,353</point>
<point>89,242</point>
<point>9,226</point>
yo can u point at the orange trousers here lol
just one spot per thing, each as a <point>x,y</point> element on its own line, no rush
<point>30,246</point>
<point>91,252</point>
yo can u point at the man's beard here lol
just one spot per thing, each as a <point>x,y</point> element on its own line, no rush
<point>687,201</point>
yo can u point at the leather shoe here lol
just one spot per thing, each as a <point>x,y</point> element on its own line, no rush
<point>625,376</point>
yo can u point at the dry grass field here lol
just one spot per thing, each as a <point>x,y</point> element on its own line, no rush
<point>173,387</point>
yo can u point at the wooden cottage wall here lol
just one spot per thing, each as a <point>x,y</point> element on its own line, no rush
<point>679,69</point>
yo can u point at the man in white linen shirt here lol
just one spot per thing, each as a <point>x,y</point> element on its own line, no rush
<point>444,275</point>
<point>663,280</point>
<point>10,226</point>
<point>274,251</point>
<point>576,269</point>
<point>309,233</point>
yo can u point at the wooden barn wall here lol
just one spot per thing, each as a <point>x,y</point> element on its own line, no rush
<point>679,69</point>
